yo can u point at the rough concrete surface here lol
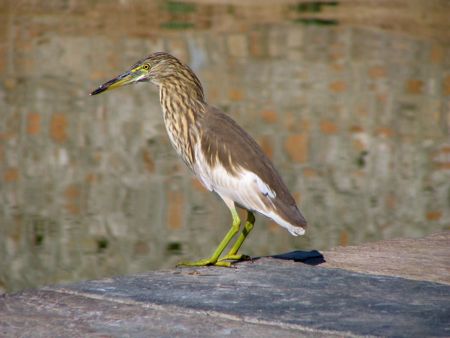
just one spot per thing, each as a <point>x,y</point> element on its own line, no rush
<point>63,314</point>
<point>422,259</point>
<point>265,297</point>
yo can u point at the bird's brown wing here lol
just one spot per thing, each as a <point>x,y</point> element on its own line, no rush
<point>225,141</point>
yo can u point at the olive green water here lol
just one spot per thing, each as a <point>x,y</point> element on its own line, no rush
<point>352,106</point>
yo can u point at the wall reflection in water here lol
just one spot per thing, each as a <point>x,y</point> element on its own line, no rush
<point>355,118</point>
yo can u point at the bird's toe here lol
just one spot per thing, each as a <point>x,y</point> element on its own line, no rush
<point>235,257</point>
<point>205,262</point>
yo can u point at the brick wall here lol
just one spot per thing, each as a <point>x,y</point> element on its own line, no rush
<point>355,119</point>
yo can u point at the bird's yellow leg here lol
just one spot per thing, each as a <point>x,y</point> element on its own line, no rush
<point>213,260</point>
<point>232,254</point>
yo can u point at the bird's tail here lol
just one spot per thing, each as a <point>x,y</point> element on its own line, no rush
<point>290,218</point>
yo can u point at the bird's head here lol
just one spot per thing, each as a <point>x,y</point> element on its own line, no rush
<point>156,68</point>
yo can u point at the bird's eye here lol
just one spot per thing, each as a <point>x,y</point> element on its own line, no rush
<point>146,66</point>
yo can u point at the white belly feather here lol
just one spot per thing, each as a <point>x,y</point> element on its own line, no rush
<point>244,187</point>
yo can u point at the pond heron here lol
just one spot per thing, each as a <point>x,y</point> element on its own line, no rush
<point>219,152</point>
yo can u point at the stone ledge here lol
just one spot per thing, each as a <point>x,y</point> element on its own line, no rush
<point>263,298</point>
<point>426,259</point>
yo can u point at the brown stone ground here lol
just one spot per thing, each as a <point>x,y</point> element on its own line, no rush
<point>426,259</point>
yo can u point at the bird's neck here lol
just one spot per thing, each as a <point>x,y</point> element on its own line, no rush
<point>182,106</point>
<point>182,101</point>
<point>182,83</point>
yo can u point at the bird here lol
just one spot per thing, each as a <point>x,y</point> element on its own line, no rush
<point>220,153</point>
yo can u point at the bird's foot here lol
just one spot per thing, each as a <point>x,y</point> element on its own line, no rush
<point>206,262</point>
<point>235,257</point>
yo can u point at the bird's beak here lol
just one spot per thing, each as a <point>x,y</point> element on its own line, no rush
<point>126,78</point>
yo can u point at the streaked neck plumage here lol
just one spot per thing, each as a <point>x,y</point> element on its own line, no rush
<point>183,104</point>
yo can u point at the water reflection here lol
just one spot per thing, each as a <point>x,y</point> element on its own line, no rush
<point>355,118</point>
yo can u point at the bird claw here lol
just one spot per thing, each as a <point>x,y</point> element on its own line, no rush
<point>205,262</point>
<point>220,262</point>
<point>235,257</point>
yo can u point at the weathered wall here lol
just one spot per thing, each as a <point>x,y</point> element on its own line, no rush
<point>357,121</point>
